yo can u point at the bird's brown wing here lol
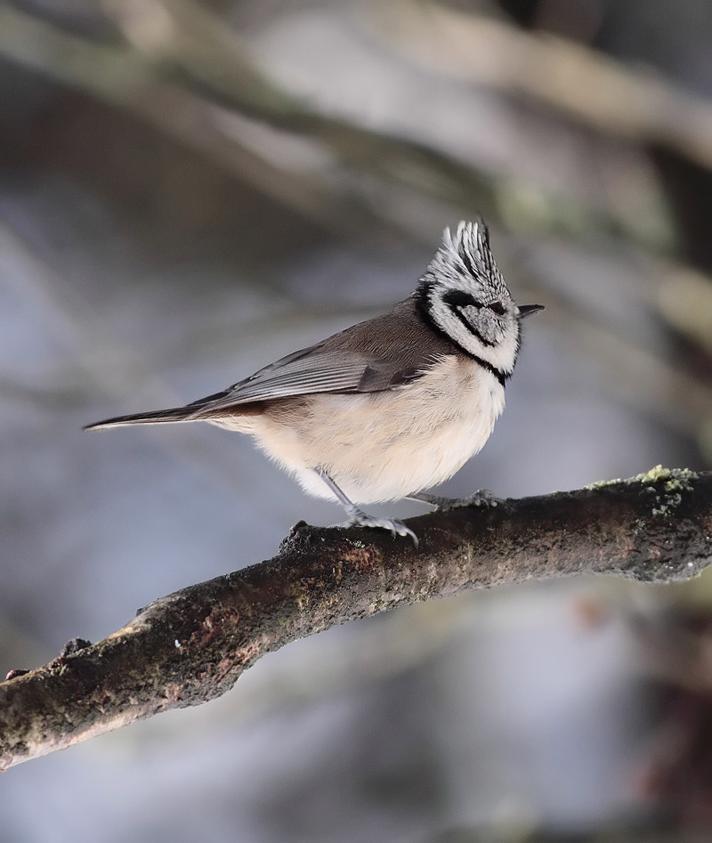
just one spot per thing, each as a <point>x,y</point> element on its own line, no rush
<point>380,354</point>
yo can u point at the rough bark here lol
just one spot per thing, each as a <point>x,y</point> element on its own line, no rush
<point>191,646</point>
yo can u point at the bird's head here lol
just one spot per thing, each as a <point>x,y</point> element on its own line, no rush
<point>463,295</point>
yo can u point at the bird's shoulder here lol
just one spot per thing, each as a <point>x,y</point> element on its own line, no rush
<point>401,330</point>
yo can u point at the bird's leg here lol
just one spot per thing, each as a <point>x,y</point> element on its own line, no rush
<point>482,497</point>
<point>359,518</point>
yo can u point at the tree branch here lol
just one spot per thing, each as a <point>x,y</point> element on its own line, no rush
<point>191,646</point>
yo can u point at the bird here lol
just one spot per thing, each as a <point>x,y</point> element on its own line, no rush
<point>391,406</point>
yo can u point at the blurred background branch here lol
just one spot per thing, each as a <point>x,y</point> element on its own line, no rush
<point>576,82</point>
<point>188,65</point>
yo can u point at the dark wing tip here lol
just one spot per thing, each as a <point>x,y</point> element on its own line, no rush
<point>173,414</point>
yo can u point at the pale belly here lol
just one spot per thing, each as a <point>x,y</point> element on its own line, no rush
<point>384,446</point>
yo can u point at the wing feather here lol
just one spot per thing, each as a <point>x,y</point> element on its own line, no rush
<point>317,371</point>
<point>383,353</point>
<point>380,354</point>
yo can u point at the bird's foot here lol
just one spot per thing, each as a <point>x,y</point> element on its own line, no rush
<point>362,519</point>
<point>482,497</point>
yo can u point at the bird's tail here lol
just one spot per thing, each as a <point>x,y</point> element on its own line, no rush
<point>170,416</point>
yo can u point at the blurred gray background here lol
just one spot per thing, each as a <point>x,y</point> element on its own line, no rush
<point>189,190</point>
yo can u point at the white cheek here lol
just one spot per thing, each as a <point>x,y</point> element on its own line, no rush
<point>504,354</point>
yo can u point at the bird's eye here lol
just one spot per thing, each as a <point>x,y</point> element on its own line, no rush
<point>497,308</point>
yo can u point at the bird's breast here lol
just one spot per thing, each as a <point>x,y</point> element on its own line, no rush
<point>383,446</point>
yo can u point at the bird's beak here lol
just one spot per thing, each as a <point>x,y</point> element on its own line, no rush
<point>527,309</point>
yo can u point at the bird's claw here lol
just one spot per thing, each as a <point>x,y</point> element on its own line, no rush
<point>482,497</point>
<point>362,519</point>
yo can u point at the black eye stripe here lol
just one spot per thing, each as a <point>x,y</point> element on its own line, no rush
<point>458,298</point>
